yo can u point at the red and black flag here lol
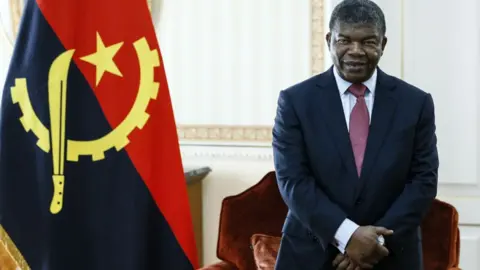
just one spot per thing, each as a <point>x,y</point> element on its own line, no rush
<point>90,168</point>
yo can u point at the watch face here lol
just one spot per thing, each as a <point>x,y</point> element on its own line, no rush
<point>381,240</point>
<point>10,14</point>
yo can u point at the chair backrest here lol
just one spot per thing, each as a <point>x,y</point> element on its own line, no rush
<point>259,209</point>
<point>441,237</point>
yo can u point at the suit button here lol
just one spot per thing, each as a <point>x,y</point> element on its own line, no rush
<point>358,201</point>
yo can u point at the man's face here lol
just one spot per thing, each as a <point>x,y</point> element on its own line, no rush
<point>356,50</point>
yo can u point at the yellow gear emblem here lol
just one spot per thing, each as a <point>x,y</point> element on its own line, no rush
<point>55,137</point>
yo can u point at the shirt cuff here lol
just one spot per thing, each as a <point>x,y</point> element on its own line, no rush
<point>343,234</point>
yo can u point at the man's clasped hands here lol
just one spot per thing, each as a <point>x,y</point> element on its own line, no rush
<point>363,251</point>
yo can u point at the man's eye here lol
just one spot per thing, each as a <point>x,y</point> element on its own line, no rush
<point>342,41</point>
<point>371,42</point>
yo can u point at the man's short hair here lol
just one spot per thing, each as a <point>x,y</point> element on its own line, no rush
<point>358,12</point>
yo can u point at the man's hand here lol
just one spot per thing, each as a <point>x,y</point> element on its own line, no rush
<point>342,262</point>
<point>363,247</point>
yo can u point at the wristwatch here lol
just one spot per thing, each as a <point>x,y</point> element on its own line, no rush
<point>381,240</point>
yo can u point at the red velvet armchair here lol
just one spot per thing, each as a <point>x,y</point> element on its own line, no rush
<point>251,222</point>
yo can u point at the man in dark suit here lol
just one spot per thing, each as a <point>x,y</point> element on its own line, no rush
<point>355,156</point>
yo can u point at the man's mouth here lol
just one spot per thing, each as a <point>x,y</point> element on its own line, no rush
<point>355,65</point>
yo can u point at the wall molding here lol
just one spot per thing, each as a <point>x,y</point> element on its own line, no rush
<point>15,8</point>
<point>219,133</point>
<point>318,33</point>
<point>226,153</point>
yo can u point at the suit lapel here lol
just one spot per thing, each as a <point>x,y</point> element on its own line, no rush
<point>330,110</point>
<point>382,116</point>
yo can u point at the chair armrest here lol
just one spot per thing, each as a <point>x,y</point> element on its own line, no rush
<point>219,266</point>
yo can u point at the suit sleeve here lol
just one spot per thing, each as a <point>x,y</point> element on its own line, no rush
<point>407,212</point>
<point>297,186</point>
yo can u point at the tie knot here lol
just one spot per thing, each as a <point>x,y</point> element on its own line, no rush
<point>358,90</point>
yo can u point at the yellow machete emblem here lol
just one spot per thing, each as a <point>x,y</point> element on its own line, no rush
<point>57,97</point>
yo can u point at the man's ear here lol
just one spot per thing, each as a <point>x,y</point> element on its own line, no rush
<point>328,37</point>
<point>384,43</point>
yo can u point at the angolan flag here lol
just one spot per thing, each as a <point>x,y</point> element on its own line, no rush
<point>90,168</point>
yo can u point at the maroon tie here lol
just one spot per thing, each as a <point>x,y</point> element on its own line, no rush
<point>359,124</point>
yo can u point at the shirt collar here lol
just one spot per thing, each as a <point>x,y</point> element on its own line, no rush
<point>343,85</point>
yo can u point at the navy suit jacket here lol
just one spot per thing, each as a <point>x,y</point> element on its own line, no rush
<point>317,178</point>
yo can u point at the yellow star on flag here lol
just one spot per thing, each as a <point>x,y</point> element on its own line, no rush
<point>102,59</point>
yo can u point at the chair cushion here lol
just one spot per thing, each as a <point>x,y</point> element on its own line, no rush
<point>265,250</point>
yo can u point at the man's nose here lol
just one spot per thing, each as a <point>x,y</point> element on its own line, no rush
<point>356,48</point>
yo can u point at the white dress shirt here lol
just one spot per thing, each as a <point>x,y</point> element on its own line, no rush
<point>348,227</point>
